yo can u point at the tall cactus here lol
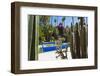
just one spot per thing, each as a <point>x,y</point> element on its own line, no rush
<point>83,45</point>
<point>77,41</point>
<point>32,53</point>
<point>71,43</point>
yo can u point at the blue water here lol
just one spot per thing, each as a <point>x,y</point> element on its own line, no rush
<point>52,46</point>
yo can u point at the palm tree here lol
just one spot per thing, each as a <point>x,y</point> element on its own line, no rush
<point>63,20</point>
<point>55,20</point>
<point>44,20</point>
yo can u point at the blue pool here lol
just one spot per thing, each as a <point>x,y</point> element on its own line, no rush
<point>50,46</point>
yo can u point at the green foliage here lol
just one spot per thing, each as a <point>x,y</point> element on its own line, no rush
<point>63,19</point>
